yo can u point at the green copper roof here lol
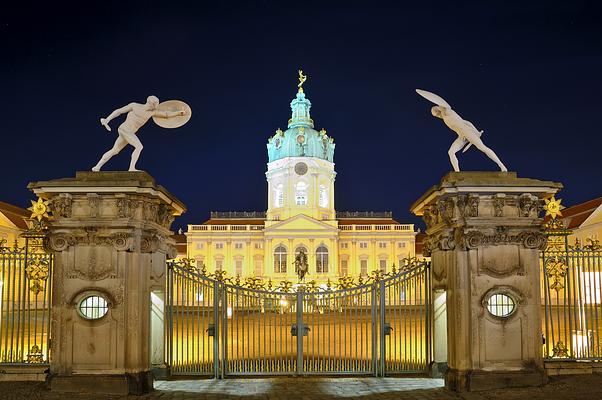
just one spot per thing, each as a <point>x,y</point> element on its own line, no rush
<point>300,139</point>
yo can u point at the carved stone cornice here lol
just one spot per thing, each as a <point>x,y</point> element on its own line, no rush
<point>149,242</point>
<point>58,242</point>
<point>526,204</point>
<point>471,238</point>
<point>62,205</point>
<point>126,207</point>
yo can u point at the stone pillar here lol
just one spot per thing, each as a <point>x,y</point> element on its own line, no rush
<point>484,238</point>
<point>110,236</point>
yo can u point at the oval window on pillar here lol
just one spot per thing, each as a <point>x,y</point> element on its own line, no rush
<point>501,305</point>
<point>93,306</point>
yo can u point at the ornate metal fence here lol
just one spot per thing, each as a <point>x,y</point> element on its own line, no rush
<point>572,291</point>
<point>379,325</point>
<point>25,293</point>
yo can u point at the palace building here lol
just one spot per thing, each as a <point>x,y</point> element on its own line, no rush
<point>300,214</point>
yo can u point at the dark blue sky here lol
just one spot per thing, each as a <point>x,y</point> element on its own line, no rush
<point>528,73</point>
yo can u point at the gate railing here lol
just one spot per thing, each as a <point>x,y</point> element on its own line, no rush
<point>25,298</point>
<point>220,327</point>
<point>573,302</point>
<point>572,291</point>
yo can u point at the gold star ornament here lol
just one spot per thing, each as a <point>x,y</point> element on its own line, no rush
<point>553,207</point>
<point>39,209</point>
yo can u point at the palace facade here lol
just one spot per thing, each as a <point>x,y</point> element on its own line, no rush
<point>300,214</point>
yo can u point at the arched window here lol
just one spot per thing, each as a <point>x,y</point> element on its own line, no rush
<point>323,196</point>
<point>322,260</point>
<point>280,260</point>
<point>279,196</point>
<point>298,249</point>
<point>301,194</point>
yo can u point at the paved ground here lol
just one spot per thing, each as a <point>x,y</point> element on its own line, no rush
<point>582,387</point>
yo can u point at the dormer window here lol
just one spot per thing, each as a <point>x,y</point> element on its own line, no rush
<point>301,194</point>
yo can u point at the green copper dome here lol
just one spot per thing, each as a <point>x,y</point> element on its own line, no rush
<point>300,139</point>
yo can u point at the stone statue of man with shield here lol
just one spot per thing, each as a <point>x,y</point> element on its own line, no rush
<point>169,114</point>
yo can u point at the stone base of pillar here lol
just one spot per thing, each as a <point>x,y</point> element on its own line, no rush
<point>474,381</point>
<point>137,384</point>
<point>438,369</point>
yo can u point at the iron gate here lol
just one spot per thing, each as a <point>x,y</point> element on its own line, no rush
<point>572,296</point>
<point>223,327</point>
<point>25,293</point>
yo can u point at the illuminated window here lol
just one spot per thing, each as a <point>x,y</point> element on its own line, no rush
<point>382,245</point>
<point>280,260</point>
<point>363,245</point>
<point>363,267</point>
<point>279,196</point>
<point>344,268</point>
<point>93,307</point>
<point>344,245</point>
<point>500,305</point>
<point>238,264</point>
<point>219,245</point>
<point>383,265</point>
<point>258,246</point>
<point>258,268</point>
<point>323,196</point>
<point>219,265</point>
<point>401,244</point>
<point>199,246</point>
<point>238,246</point>
<point>301,194</point>
<point>322,260</point>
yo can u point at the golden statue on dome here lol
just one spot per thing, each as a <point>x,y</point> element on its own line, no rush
<point>302,79</point>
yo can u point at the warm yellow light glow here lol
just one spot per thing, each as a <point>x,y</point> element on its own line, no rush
<point>229,312</point>
<point>283,303</point>
<point>580,344</point>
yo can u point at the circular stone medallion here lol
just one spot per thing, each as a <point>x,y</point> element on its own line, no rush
<point>301,168</point>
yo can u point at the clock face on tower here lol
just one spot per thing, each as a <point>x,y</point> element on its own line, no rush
<point>301,168</point>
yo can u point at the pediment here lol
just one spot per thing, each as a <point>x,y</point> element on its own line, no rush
<point>301,223</point>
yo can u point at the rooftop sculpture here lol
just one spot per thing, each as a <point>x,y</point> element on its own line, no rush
<point>468,134</point>
<point>169,114</point>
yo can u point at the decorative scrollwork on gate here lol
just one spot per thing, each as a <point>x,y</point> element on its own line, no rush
<point>37,272</point>
<point>556,270</point>
<point>286,286</point>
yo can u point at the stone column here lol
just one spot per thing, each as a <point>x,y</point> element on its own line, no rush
<point>484,238</point>
<point>110,236</point>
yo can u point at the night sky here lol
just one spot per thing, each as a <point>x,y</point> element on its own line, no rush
<point>528,73</point>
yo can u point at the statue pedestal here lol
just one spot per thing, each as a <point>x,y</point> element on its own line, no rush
<point>110,236</point>
<point>484,237</point>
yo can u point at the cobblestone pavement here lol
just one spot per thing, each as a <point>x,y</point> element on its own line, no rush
<point>582,387</point>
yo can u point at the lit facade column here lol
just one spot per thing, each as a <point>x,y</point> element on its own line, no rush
<point>353,267</point>
<point>110,240</point>
<point>484,237</point>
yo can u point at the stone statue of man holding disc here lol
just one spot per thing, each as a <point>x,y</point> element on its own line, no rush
<point>468,134</point>
<point>169,114</point>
